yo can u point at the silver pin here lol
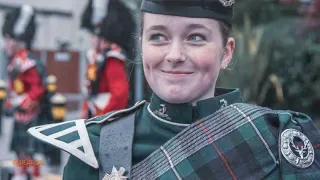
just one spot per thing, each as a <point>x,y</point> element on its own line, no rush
<point>224,103</point>
<point>115,174</point>
<point>300,156</point>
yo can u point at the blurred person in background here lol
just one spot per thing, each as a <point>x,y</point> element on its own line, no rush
<point>112,27</point>
<point>3,96</point>
<point>25,84</point>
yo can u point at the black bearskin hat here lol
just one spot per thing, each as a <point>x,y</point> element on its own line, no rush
<point>20,24</point>
<point>115,23</point>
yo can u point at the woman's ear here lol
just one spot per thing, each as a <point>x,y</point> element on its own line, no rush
<point>228,52</point>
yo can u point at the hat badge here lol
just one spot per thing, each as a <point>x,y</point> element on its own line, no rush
<point>296,148</point>
<point>227,3</point>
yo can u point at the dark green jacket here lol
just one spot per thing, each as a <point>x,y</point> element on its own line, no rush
<point>219,138</point>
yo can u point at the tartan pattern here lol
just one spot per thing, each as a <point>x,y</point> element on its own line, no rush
<point>21,141</point>
<point>214,147</point>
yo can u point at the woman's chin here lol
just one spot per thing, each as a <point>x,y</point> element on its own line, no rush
<point>176,98</point>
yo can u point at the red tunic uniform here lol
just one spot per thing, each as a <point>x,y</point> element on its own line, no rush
<point>108,74</point>
<point>26,87</point>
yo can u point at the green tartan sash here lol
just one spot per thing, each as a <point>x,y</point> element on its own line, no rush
<point>239,141</point>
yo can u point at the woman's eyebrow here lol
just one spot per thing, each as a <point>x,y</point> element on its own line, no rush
<point>157,27</point>
<point>197,26</point>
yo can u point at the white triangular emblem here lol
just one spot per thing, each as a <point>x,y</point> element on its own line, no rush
<point>71,147</point>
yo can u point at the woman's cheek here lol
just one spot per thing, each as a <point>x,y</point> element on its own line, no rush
<point>204,62</point>
<point>152,56</point>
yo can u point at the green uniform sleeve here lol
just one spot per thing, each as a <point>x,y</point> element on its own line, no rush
<point>75,169</point>
<point>305,125</point>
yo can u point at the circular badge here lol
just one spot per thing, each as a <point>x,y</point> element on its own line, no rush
<point>296,148</point>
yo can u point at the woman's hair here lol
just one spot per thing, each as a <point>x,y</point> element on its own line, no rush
<point>225,30</point>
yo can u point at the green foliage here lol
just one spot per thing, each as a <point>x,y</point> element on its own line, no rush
<point>276,60</point>
<point>249,60</point>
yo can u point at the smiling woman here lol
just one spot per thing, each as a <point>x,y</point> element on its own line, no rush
<point>190,129</point>
<point>179,50</point>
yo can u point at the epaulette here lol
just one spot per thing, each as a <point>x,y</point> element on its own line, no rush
<point>116,52</point>
<point>24,63</point>
<point>72,136</point>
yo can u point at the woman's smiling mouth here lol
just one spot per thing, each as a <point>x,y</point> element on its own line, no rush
<point>177,72</point>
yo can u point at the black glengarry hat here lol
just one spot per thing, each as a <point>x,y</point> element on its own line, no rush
<point>221,10</point>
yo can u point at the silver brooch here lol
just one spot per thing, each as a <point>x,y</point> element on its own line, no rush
<point>162,112</point>
<point>296,148</point>
<point>115,174</point>
<point>227,3</point>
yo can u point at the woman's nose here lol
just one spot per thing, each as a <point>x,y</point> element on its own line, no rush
<point>176,53</point>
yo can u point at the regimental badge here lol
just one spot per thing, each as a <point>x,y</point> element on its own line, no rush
<point>162,112</point>
<point>115,174</point>
<point>227,3</point>
<point>296,148</point>
<point>223,103</point>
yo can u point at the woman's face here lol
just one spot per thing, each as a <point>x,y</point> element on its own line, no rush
<point>182,56</point>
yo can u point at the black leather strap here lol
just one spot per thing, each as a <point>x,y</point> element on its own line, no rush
<point>115,148</point>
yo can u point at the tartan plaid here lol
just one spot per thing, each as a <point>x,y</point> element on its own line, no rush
<point>237,142</point>
<point>21,141</point>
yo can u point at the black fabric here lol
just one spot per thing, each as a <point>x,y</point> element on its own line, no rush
<point>86,18</point>
<point>118,26</point>
<point>212,9</point>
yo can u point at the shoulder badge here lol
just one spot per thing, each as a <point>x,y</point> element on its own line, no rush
<point>296,148</point>
<point>62,135</point>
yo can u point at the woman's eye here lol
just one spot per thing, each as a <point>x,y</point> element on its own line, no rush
<point>196,37</point>
<point>157,37</point>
